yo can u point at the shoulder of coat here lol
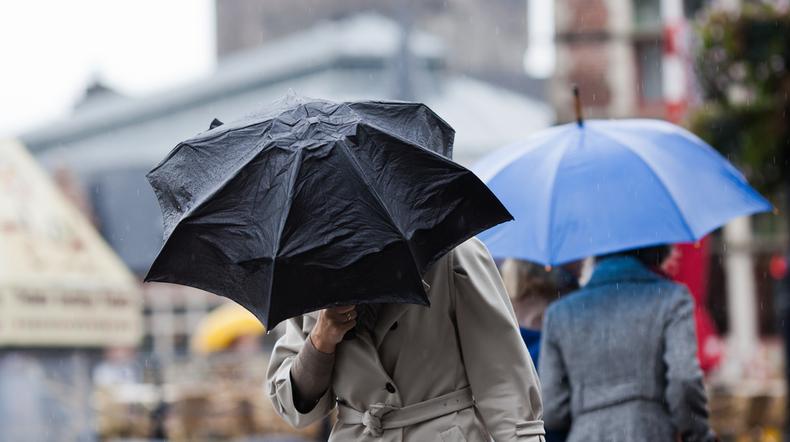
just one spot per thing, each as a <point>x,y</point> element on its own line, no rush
<point>562,303</point>
<point>675,292</point>
<point>472,247</point>
<point>468,254</point>
<point>666,289</point>
<point>578,300</point>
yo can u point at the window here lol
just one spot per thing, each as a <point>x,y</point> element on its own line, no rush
<point>647,14</point>
<point>691,7</point>
<point>649,73</point>
<point>181,344</point>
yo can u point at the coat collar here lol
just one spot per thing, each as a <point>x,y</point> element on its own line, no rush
<point>621,269</point>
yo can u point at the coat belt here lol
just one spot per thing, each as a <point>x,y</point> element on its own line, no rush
<point>379,417</point>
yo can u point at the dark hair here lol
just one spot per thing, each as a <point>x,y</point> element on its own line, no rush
<point>523,279</point>
<point>652,256</point>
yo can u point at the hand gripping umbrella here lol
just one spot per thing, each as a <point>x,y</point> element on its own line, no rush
<point>310,204</point>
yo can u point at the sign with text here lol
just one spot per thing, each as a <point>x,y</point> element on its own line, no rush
<point>60,284</point>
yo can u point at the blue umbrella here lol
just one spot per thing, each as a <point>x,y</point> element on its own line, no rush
<point>601,186</point>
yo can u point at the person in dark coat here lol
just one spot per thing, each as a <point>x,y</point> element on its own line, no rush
<point>619,357</point>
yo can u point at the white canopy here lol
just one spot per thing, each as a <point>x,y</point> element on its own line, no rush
<point>60,284</point>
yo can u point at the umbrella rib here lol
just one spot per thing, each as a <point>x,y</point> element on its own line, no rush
<point>655,175</point>
<point>241,165</point>
<point>404,140</point>
<point>287,212</point>
<point>493,164</point>
<point>372,191</point>
<point>284,219</point>
<point>186,214</point>
<point>553,201</point>
<point>238,167</point>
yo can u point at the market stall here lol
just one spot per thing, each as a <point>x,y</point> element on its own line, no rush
<point>63,295</point>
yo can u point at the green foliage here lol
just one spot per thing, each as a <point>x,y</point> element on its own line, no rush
<point>743,64</point>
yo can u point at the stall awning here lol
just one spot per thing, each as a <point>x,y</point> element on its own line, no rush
<point>60,284</point>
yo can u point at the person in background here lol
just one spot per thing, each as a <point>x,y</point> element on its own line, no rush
<point>532,287</point>
<point>619,357</point>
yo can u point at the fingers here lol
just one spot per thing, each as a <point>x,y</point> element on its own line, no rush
<point>341,315</point>
<point>346,326</point>
<point>342,319</point>
<point>332,325</point>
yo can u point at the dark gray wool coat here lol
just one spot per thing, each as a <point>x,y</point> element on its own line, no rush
<point>619,360</point>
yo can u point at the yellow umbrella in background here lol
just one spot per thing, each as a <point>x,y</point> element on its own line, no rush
<point>222,326</point>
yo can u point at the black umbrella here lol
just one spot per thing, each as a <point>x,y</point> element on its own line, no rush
<point>311,204</point>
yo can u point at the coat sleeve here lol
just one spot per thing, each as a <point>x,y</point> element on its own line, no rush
<point>685,393</point>
<point>500,371</point>
<point>553,378</point>
<point>278,377</point>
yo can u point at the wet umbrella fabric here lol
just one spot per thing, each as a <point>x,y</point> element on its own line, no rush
<point>310,204</point>
<point>607,186</point>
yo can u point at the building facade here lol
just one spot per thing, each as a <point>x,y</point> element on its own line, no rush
<point>617,52</point>
<point>484,39</point>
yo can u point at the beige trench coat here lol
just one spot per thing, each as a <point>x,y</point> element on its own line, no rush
<point>468,337</point>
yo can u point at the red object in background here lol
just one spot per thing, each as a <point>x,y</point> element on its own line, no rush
<point>676,110</point>
<point>689,265</point>
<point>672,33</point>
<point>778,267</point>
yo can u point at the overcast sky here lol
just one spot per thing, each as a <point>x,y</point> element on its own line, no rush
<point>51,49</point>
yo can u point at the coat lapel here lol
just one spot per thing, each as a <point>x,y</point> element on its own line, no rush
<point>389,315</point>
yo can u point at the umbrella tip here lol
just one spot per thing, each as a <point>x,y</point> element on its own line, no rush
<point>577,105</point>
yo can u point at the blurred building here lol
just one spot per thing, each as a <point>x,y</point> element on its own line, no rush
<point>618,52</point>
<point>111,141</point>
<point>65,296</point>
<point>484,39</point>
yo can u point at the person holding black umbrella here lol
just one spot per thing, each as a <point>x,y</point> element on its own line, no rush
<point>454,371</point>
<point>332,216</point>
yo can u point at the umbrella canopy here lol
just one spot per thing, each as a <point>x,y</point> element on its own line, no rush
<point>310,204</point>
<point>581,190</point>
<point>226,323</point>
